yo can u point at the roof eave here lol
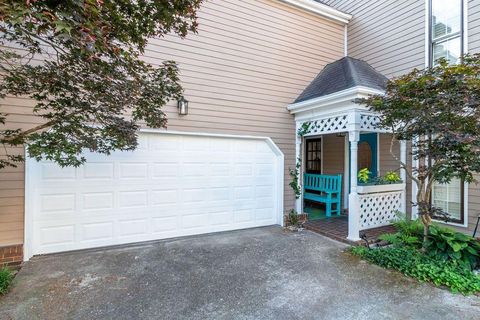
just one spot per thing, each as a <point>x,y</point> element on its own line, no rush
<point>321,9</point>
<point>334,98</point>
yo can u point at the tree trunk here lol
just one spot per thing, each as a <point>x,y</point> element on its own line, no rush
<point>426,228</point>
<point>423,202</point>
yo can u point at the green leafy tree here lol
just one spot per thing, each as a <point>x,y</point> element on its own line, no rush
<point>437,109</point>
<point>80,62</point>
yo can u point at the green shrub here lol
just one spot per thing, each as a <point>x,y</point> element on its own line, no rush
<point>409,234</point>
<point>450,245</point>
<point>413,263</point>
<point>443,243</point>
<point>293,217</point>
<point>6,278</point>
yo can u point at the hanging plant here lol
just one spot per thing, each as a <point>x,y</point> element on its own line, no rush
<point>294,184</point>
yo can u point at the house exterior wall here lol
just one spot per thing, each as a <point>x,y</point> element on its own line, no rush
<point>333,154</point>
<point>249,60</point>
<point>391,36</point>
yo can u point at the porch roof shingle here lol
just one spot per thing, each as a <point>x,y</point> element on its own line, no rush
<point>343,74</point>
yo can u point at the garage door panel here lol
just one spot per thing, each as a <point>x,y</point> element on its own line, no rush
<point>97,200</point>
<point>51,171</point>
<point>173,185</point>
<point>96,231</point>
<point>57,202</point>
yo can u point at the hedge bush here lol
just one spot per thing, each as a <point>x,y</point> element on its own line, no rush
<point>413,263</point>
<point>443,243</point>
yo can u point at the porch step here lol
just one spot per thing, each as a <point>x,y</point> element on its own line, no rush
<point>337,229</point>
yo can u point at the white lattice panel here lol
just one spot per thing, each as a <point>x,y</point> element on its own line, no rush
<point>331,124</point>
<point>369,122</point>
<point>378,209</point>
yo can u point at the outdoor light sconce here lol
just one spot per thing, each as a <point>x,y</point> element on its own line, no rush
<point>182,106</point>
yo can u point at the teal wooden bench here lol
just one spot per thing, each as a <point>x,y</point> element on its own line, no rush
<point>324,189</point>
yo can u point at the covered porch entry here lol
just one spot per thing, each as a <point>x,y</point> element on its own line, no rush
<point>335,139</point>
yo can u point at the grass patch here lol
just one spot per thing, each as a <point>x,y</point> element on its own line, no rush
<point>6,278</point>
<point>415,264</point>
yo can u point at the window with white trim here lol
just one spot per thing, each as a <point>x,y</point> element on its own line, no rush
<point>446,41</point>
<point>446,30</point>
<point>449,197</point>
<point>313,151</point>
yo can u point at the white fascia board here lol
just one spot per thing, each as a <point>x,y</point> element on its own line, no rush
<point>320,9</point>
<point>331,99</point>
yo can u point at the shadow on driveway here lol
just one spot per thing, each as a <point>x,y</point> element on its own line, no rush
<point>263,273</point>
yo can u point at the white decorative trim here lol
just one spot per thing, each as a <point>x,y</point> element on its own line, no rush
<point>347,95</point>
<point>380,188</point>
<point>320,9</point>
<point>28,214</point>
<point>369,122</point>
<point>345,41</point>
<point>299,154</point>
<point>332,124</point>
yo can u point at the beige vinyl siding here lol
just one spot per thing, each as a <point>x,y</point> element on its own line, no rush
<point>473,205</point>
<point>333,154</point>
<point>473,28</point>
<point>389,35</point>
<point>249,60</point>
<point>389,163</point>
<point>473,44</point>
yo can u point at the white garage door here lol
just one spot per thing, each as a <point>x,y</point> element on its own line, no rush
<point>172,185</point>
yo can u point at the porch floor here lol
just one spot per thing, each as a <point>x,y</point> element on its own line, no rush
<point>337,228</point>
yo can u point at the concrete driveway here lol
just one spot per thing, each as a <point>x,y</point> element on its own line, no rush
<point>263,273</point>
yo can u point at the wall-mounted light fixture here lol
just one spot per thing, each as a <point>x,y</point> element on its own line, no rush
<point>182,106</point>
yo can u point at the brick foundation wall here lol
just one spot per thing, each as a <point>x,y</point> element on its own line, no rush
<point>11,255</point>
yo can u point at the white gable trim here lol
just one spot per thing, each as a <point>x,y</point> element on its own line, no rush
<point>320,9</point>
<point>346,95</point>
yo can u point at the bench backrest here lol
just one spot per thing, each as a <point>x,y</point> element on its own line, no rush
<point>323,183</point>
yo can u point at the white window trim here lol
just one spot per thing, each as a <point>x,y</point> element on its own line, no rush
<point>428,31</point>
<point>427,60</point>
<point>321,137</point>
<point>465,210</point>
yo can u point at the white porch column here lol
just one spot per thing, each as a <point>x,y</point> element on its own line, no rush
<point>353,199</point>
<point>298,155</point>
<point>403,175</point>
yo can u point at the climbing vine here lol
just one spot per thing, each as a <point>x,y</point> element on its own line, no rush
<point>295,173</point>
<point>304,129</point>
